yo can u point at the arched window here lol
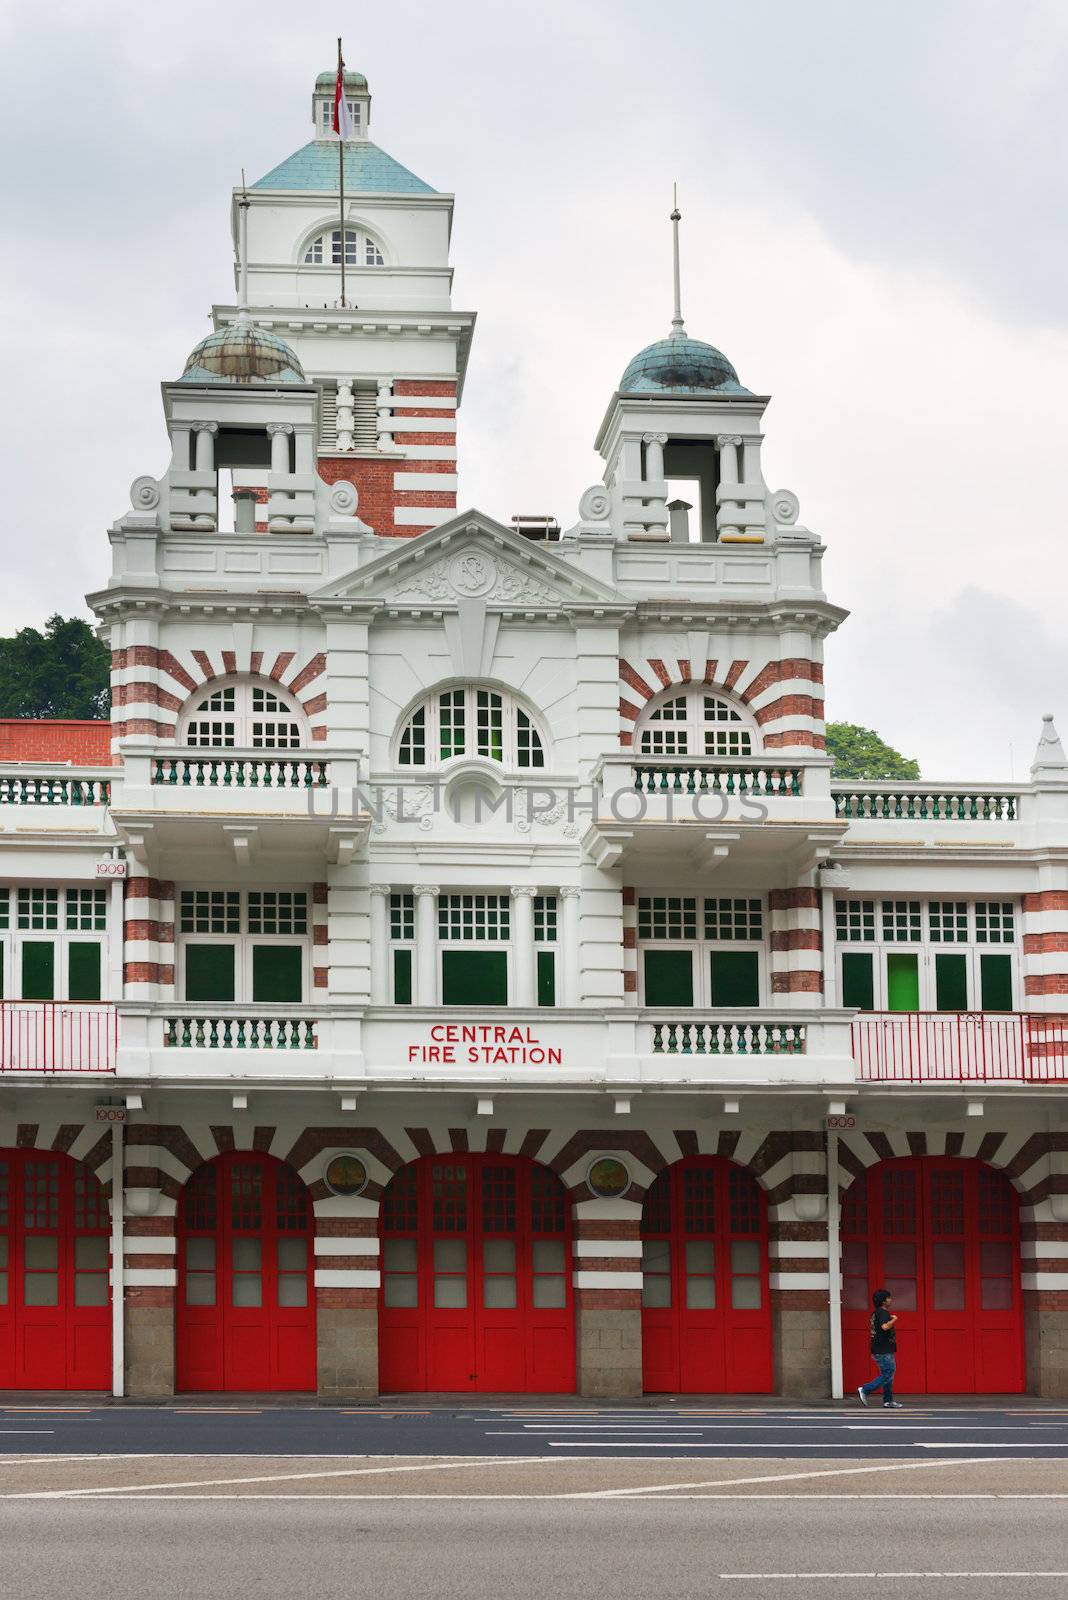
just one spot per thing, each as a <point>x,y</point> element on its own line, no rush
<point>242,715</point>
<point>694,722</point>
<point>471,722</point>
<point>360,249</point>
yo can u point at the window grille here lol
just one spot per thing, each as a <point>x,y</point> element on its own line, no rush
<point>243,715</point>
<point>854,920</point>
<point>402,916</point>
<point>734,919</point>
<point>667,917</point>
<point>38,908</point>
<point>279,911</point>
<point>695,723</point>
<point>210,911</point>
<point>87,910</point>
<point>471,721</point>
<point>948,921</point>
<point>901,921</point>
<point>995,922</point>
<point>360,250</point>
<point>545,918</point>
<point>482,918</point>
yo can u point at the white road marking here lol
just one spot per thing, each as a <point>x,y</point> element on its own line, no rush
<point>6,1432</point>
<point>776,1446</point>
<point>756,1576</point>
<point>785,1477</point>
<point>1024,1444</point>
<point>269,1477</point>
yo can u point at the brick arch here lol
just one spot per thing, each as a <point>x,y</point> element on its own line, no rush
<point>776,693</point>
<point>1021,1157</point>
<point>152,701</point>
<point>85,1143</point>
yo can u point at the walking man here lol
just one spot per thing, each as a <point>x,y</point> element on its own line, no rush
<point>884,1350</point>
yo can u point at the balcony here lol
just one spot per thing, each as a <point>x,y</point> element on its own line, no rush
<point>748,809</point>
<point>57,1036</point>
<point>55,786</point>
<point>427,1047</point>
<point>961,1047</point>
<point>236,804</point>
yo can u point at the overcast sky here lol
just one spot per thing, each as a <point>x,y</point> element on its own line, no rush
<point>874,231</point>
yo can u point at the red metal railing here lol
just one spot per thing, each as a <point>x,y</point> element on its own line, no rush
<point>961,1047</point>
<point>57,1036</point>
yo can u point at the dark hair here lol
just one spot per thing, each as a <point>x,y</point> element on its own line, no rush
<point>880,1297</point>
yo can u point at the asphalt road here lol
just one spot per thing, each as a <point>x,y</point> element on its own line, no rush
<point>631,1548</point>
<point>702,1432</point>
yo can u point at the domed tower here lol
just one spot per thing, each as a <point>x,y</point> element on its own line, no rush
<point>386,351</point>
<point>680,412</point>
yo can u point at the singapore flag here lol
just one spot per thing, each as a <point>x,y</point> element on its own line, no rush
<point>342,120</point>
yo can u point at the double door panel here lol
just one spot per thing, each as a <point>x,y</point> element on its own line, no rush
<point>246,1315</point>
<point>476,1291</point>
<point>55,1299</point>
<point>942,1235</point>
<point>706,1321</point>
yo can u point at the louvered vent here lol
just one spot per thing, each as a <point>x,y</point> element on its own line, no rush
<point>364,415</point>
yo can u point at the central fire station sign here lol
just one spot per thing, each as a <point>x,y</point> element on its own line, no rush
<point>483,1044</point>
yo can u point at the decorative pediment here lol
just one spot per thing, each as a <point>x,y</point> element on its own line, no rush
<point>471,559</point>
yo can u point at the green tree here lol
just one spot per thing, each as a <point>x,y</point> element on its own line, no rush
<point>860,753</point>
<point>62,672</point>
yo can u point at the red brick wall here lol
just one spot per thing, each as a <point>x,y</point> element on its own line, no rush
<point>86,744</point>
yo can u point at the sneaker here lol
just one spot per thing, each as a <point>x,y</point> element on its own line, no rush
<point>892,1405</point>
<point>862,1397</point>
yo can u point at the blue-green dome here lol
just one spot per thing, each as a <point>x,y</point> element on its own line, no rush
<point>353,80</point>
<point>680,365</point>
<point>243,353</point>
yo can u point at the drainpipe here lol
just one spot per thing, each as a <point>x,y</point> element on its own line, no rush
<point>118,1272</point>
<point>834,1267</point>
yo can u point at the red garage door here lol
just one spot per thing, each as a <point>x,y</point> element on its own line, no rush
<point>55,1303</point>
<point>942,1234</point>
<point>246,1307</point>
<point>706,1321</point>
<point>476,1278</point>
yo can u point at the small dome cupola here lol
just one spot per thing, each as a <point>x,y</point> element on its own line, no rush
<point>357,99</point>
<point>679,364</point>
<point>243,353</point>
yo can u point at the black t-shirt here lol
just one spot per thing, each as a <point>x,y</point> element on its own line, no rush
<point>883,1339</point>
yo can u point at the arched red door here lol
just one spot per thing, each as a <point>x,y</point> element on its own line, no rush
<point>943,1235</point>
<point>706,1318</point>
<point>476,1278</point>
<point>246,1305</point>
<point>55,1301</point>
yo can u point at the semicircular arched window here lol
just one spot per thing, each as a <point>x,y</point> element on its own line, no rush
<point>695,722</point>
<point>361,250</point>
<point>470,722</point>
<point>242,715</point>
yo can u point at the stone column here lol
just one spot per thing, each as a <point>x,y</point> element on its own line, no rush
<point>380,893</point>
<point>728,480</point>
<point>206,499</point>
<point>279,435</point>
<point>345,419</point>
<point>608,1297</point>
<point>657,527</point>
<point>571,900</point>
<point>523,944</point>
<point>426,944</point>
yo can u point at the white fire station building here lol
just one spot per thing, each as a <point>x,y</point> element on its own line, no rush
<point>455,969</point>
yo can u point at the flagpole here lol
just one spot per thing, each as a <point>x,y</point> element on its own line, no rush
<point>341,173</point>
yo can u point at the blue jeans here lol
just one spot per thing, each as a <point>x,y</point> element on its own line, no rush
<point>887,1366</point>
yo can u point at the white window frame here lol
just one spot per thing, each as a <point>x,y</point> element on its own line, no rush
<point>449,943</point>
<point>243,942</point>
<point>694,729</point>
<point>367,251</point>
<point>243,717</point>
<point>325,122</point>
<point>701,947</point>
<point>431,708</point>
<point>927,948</point>
<point>12,939</point>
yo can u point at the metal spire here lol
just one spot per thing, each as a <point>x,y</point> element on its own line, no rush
<point>678,331</point>
<point>242,252</point>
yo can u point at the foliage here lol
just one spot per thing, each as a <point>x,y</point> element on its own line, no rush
<point>62,672</point>
<point>861,753</point>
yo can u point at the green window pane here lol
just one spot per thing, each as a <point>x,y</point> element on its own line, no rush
<point>83,971</point>
<point>546,978</point>
<point>402,977</point>
<point>951,983</point>
<point>735,978</point>
<point>902,982</point>
<point>209,972</point>
<point>995,978</point>
<point>38,970</point>
<point>277,973</point>
<point>474,977</point>
<point>858,980</point>
<point>668,978</point>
